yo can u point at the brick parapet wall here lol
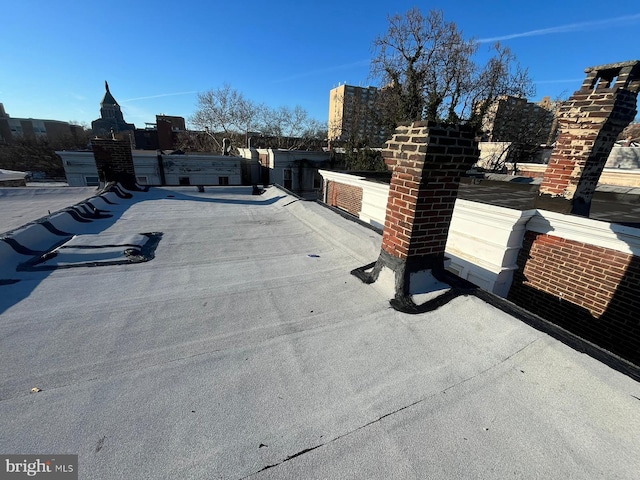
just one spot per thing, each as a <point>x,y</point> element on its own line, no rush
<point>346,197</point>
<point>427,161</point>
<point>587,289</point>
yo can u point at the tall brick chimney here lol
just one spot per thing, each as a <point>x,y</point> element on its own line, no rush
<point>427,160</point>
<point>590,121</point>
<point>114,162</point>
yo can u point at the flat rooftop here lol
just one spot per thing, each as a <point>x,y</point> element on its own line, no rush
<point>245,349</point>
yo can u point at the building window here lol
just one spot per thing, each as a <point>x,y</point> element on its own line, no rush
<point>142,180</point>
<point>91,181</point>
<point>184,181</point>
<point>223,180</point>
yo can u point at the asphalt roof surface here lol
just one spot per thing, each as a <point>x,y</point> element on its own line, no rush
<point>245,349</point>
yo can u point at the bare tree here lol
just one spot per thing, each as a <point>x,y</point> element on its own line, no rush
<point>226,112</point>
<point>225,109</point>
<point>285,123</point>
<point>428,71</point>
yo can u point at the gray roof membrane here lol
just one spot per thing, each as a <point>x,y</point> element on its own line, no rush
<point>246,349</point>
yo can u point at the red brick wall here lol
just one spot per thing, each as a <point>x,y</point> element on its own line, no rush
<point>592,291</point>
<point>114,161</point>
<point>347,197</point>
<point>427,160</point>
<point>523,172</point>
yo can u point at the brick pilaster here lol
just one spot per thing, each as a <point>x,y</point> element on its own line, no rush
<point>114,162</point>
<point>427,160</point>
<point>590,121</point>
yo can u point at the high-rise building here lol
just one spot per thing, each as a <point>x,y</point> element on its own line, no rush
<point>351,116</point>
<point>514,119</point>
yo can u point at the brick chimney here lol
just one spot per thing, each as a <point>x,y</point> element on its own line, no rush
<point>427,160</point>
<point>590,121</point>
<point>114,162</point>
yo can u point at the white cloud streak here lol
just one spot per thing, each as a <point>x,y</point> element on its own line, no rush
<point>571,27</point>
<point>566,80</point>
<point>335,68</point>
<point>158,96</point>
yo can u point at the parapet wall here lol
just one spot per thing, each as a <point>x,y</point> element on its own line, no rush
<point>583,275</point>
<point>579,273</point>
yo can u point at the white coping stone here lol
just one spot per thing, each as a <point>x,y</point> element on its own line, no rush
<point>593,232</point>
<point>344,178</point>
<point>374,203</point>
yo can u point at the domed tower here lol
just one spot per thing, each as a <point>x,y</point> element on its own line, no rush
<point>110,116</point>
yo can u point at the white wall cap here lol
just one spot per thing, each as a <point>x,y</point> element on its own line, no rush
<point>375,188</point>
<point>345,178</point>
<point>593,232</point>
<point>492,214</point>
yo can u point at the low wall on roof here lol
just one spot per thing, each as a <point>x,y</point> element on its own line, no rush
<point>483,240</point>
<point>579,273</point>
<point>583,275</point>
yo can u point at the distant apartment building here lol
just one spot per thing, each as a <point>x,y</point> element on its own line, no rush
<point>514,119</point>
<point>12,129</point>
<point>351,116</point>
<point>162,135</point>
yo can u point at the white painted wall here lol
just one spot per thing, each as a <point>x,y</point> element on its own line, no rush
<point>483,243</point>
<point>201,169</point>
<point>281,160</point>
<point>78,166</point>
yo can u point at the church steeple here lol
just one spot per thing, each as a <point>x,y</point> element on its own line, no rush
<point>111,117</point>
<point>108,100</point>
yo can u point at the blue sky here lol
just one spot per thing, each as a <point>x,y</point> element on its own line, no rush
<point>156,56</point>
